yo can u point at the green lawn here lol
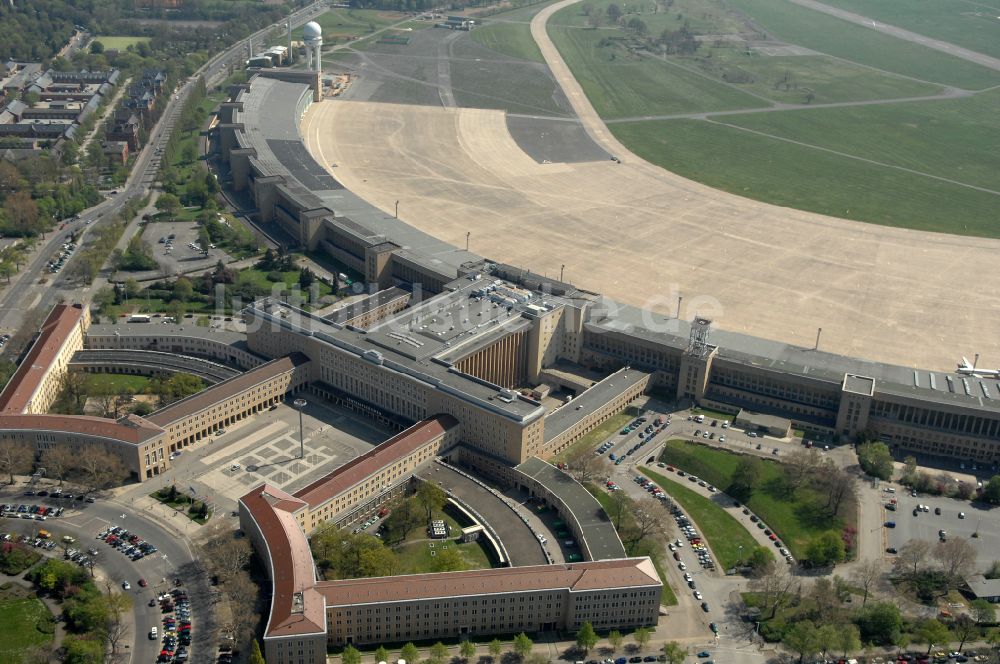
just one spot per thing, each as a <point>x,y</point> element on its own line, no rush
<point>19,623</point>
<point>416,558</point>
<point>826,34</point>
<point>973,25</point>
<point>620,85</point>
<point>116,383</point>
<point>603,432</point>
<point>723,532</point>
<point>806,79</point>
<point>645,548</point>
<point>714,414</point>
<point>119,41</point>
<point>787,174</point>
<point>289,278</point>
<point>513,39</point>
<point>796,519</point>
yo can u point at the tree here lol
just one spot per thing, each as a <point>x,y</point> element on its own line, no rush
<point>615,640</point>
<point>848,639</point>
<point>96,47</point>
<point>6,269</point>
<point>774,588</point>
<point>620,504</point>
<point>647,522</point>
<point>827,638</point>
<point>674,652</point>
<point>306,278</point>
<point>438,652</point>
<point>983,611</point>
<point>909,470</point>
<point>204,241</point>
<point>839,486</point>
<point>496,647</point>
<point>59,462</point>
<point>614,12</point>
<point>448,560</point>
<point>16,458</point>
<point>410,653</point>
<point>912,555</point>
<point>586,637</point>
<point>964,627</point>
<point>101,468</point>
<point>257,658</point>
<point>381,654</point>
<point>802,638</point>
<point>350,655</point>
<point>745,478</point>
<point>467,650</point>
<point>801,465</point>
<point>168,203</point>
<point>957,557</point>
<point>584,465</point>
<point>182,290</point>
<point>876,459</point>
<point>641,636</point>
<point>431,497</point>
<point>865,575</point>
<point>825,549</point>
<point>932,632</point>
<point>522,645</point>
<point>22,212</point>
<point>991,490</point>
<point>760,560</point>
<point>229,555</point>
<point>379,562</point>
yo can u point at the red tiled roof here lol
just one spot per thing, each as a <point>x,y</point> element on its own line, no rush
<point>131,429</point>
<point>291,564</point>
<point>375,459</point>
<point>221,391</point>
<point>620,573</point>
<point>54,332</point>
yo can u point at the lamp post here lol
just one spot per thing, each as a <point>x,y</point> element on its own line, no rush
<point>300,404</point>
<point>397,210</point>
<point>741,554</point>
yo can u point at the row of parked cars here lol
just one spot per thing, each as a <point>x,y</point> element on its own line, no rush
<point>128,543</point>
<point>176,609</point>
<point>650,486</point>
<point>59,260</point>
<point>36,512</point>
<point>701,550</point>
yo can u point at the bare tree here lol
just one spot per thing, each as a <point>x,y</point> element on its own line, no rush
<point>865,575</point>
<point>584,465</point>
<point>774,587</point>
<point>801,465</point>
<point>117,622</point>
<point>912,555</point>
<point>957,558</point>
<point>227,554</point>
<point>17,457</point>
<point>647,522</point>
<point>619,505</point>
<point>101,468</point>
<point>59,461</point>
<point>840,487</point>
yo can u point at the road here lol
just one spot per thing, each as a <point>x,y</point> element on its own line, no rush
<point>25,292</point>
<point>900,33</point>
<point>83,521</point>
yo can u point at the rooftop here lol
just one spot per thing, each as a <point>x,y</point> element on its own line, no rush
<point>55,331</point>
<point>132,429</point>
<point>217,393</point>
<point>599,533</point>
<point>366,465</point>
<point>575,577</point>
<point>590,400</point>
<point>296,607</point>
<point>983,587</point>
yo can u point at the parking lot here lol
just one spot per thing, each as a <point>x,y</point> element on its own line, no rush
<point>983,522</point>
<point>175,255</point>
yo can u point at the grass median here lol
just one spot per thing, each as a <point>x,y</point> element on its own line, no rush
<point>724,533</point>
<point>796,517</point>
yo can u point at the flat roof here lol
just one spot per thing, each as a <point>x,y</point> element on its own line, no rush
<point>983,587</point>
<point>428,370</point>
<point>598,531</point>
<point>54,333</point>
<point>154,329</point>
<point>268,106</point>
<point>217,393</point>
<point>567,415</point>
<point>763,419</point>
<point>296,608</point>
<point>372,461</point>
<point>574,577</point>
<point>344,314</point>
<point>859,384</point>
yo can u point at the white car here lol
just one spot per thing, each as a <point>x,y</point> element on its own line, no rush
<point>681,566</point>
<point>153,633</point>
<point>697,594</point>
<point>126,585</point>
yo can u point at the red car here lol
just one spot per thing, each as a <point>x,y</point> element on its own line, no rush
<point>142,583</point>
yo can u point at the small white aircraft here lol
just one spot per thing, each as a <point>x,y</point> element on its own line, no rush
<point>967,369</point>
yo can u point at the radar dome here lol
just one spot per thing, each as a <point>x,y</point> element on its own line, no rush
<point>312,30</point>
